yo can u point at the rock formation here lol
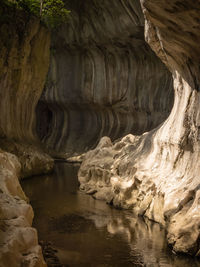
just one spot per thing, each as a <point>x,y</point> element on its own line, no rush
<point>24,62</point>
<point>103,80</point>
<point>157,174</point>
<point>24,53</point>
<point>18,240</point>
<point>24,59</point>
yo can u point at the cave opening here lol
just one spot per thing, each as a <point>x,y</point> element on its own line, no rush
<point>44,121</point>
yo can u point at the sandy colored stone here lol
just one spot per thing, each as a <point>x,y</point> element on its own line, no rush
<point>24,62</point>
<point>157,173</point>
<point>18,240</point>
<point>33,159</point>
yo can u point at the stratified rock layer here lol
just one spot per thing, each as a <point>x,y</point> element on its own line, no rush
<point>157,174</point>
<point>103,79</point>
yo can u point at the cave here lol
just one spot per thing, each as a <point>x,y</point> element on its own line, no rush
<point>99,133</point>
<point>104,79</point>
<point>44,121</point>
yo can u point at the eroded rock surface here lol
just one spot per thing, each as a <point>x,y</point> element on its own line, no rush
<point>103,79</point>
<point>157,174</point>
<point>24,59</point>
<point>24,62</point>
<point>33,160</point>
<point>18,240</point>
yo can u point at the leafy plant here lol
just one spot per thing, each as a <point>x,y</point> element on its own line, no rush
<point>52,12</point>
<point>32,6</point>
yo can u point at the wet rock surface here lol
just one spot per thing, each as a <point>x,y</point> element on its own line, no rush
<point>49,253</point>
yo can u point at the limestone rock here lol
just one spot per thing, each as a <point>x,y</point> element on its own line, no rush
<point>24,62</point>
<point>103,78</point>
<point>33,160</point>
<point>18,240</point>
<point>157,173</point>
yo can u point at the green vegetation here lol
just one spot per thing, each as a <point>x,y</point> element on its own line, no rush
<point>52,12</point>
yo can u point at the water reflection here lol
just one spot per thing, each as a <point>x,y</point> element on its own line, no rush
<point>87,232</point>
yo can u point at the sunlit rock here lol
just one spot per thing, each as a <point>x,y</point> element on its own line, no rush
<point>157,174</point>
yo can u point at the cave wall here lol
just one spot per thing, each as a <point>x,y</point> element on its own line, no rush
<point>157,174</point>
<point>176,41</point>
<point>24,62</point>
<point>24,59</point>
<point>103,80</point>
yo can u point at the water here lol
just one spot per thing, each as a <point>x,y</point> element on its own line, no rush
<point>87,232</point>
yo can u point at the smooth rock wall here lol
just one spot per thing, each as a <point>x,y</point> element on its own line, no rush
<point>103,78</point>
<point>178,40</point>
<point>24,62</point>
<point>157,174</point>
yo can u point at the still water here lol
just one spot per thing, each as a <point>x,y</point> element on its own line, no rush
<point>87,232</point>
